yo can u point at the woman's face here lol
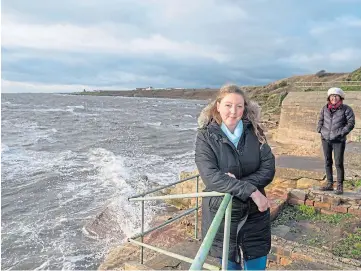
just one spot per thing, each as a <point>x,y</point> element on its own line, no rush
<point>231,109</point>
<point>334,98</point>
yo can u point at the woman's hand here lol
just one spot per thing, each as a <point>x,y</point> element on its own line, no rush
<point>261,201</point>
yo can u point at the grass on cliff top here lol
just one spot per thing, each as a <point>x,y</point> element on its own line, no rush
<point>355,75</point>
<point>345,88</point>
<point>304,212</point>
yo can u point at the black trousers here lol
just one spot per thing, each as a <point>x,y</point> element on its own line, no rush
<point>338,149</point>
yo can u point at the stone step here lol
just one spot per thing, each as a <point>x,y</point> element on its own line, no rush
<point>348,197</point>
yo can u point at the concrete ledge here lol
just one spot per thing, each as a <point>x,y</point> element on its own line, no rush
<point>327,202</point>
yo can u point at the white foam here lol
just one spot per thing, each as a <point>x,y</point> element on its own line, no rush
<point>187,128</point>
<point>158,123</point>
<point>112,169</point>
<point>75,106</point>
<point>108,109</point>
<point>32,132</point>
<point>45,110</point>
<point>10,104</point>
<point>45,139</point>
<point>185,155</point>
<point>43,266</point>
<point>4,148</point>
<point>20,162</point>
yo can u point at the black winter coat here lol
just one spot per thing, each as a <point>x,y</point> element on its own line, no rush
<point>254,167</point>
<point>336,125</point>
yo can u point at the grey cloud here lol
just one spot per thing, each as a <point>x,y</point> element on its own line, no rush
<point>262,41</point>
<point>134,72</point>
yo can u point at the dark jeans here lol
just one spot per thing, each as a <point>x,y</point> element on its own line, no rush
<point>255,264</point>
<point>338,149</point>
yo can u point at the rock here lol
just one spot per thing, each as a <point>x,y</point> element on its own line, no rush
<point>105,225</point>
<point>186,188</point>
<point>281,230</point>
<point>144,178</point>
<point>298,194</point>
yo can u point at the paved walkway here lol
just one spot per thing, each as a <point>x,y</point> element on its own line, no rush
<point>301,162</point>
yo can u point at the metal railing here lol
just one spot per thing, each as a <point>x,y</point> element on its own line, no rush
<point>225,209</point>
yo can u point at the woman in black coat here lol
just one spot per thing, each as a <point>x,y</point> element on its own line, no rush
<point>232,156</point>
<point>336,121</point>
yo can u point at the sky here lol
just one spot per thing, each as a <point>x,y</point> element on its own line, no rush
<point>71,45</point>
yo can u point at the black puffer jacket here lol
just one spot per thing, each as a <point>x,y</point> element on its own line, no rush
<point>254,167</point>
<point>336,125</point>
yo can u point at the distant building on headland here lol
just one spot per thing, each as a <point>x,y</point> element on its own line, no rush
<point>147,88</point>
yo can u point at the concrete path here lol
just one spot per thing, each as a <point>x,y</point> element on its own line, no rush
<point>301,162</point>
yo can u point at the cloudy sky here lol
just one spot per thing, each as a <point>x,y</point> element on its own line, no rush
<point>68,45</point>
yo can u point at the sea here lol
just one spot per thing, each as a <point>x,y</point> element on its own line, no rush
<point>64,158</point>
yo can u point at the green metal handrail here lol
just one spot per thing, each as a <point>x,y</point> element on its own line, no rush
<point>199,261</point>
<point>225,207</point>
<point>158,189</point>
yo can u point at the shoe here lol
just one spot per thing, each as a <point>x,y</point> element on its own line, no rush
<point>339,190</point>
<point>328,187</point>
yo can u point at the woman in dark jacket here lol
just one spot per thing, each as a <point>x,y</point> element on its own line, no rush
<point>232,156</point>
<point>336,121</point>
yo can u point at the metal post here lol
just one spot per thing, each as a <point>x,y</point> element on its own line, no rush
<point>196,217</point>
<point>227,230</point>
<point>164,223</point>
<point>208,239</point>
<point>141,238</point>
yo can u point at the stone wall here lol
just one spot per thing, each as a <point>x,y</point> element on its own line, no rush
<point>299,115</point>
<point>327,203</point>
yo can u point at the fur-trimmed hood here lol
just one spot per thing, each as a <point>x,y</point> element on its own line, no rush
<point>253,114</point>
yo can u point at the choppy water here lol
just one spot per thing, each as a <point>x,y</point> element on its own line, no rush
<point>63,158</point>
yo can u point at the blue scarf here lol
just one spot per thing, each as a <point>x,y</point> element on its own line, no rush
<point>236,135</point>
